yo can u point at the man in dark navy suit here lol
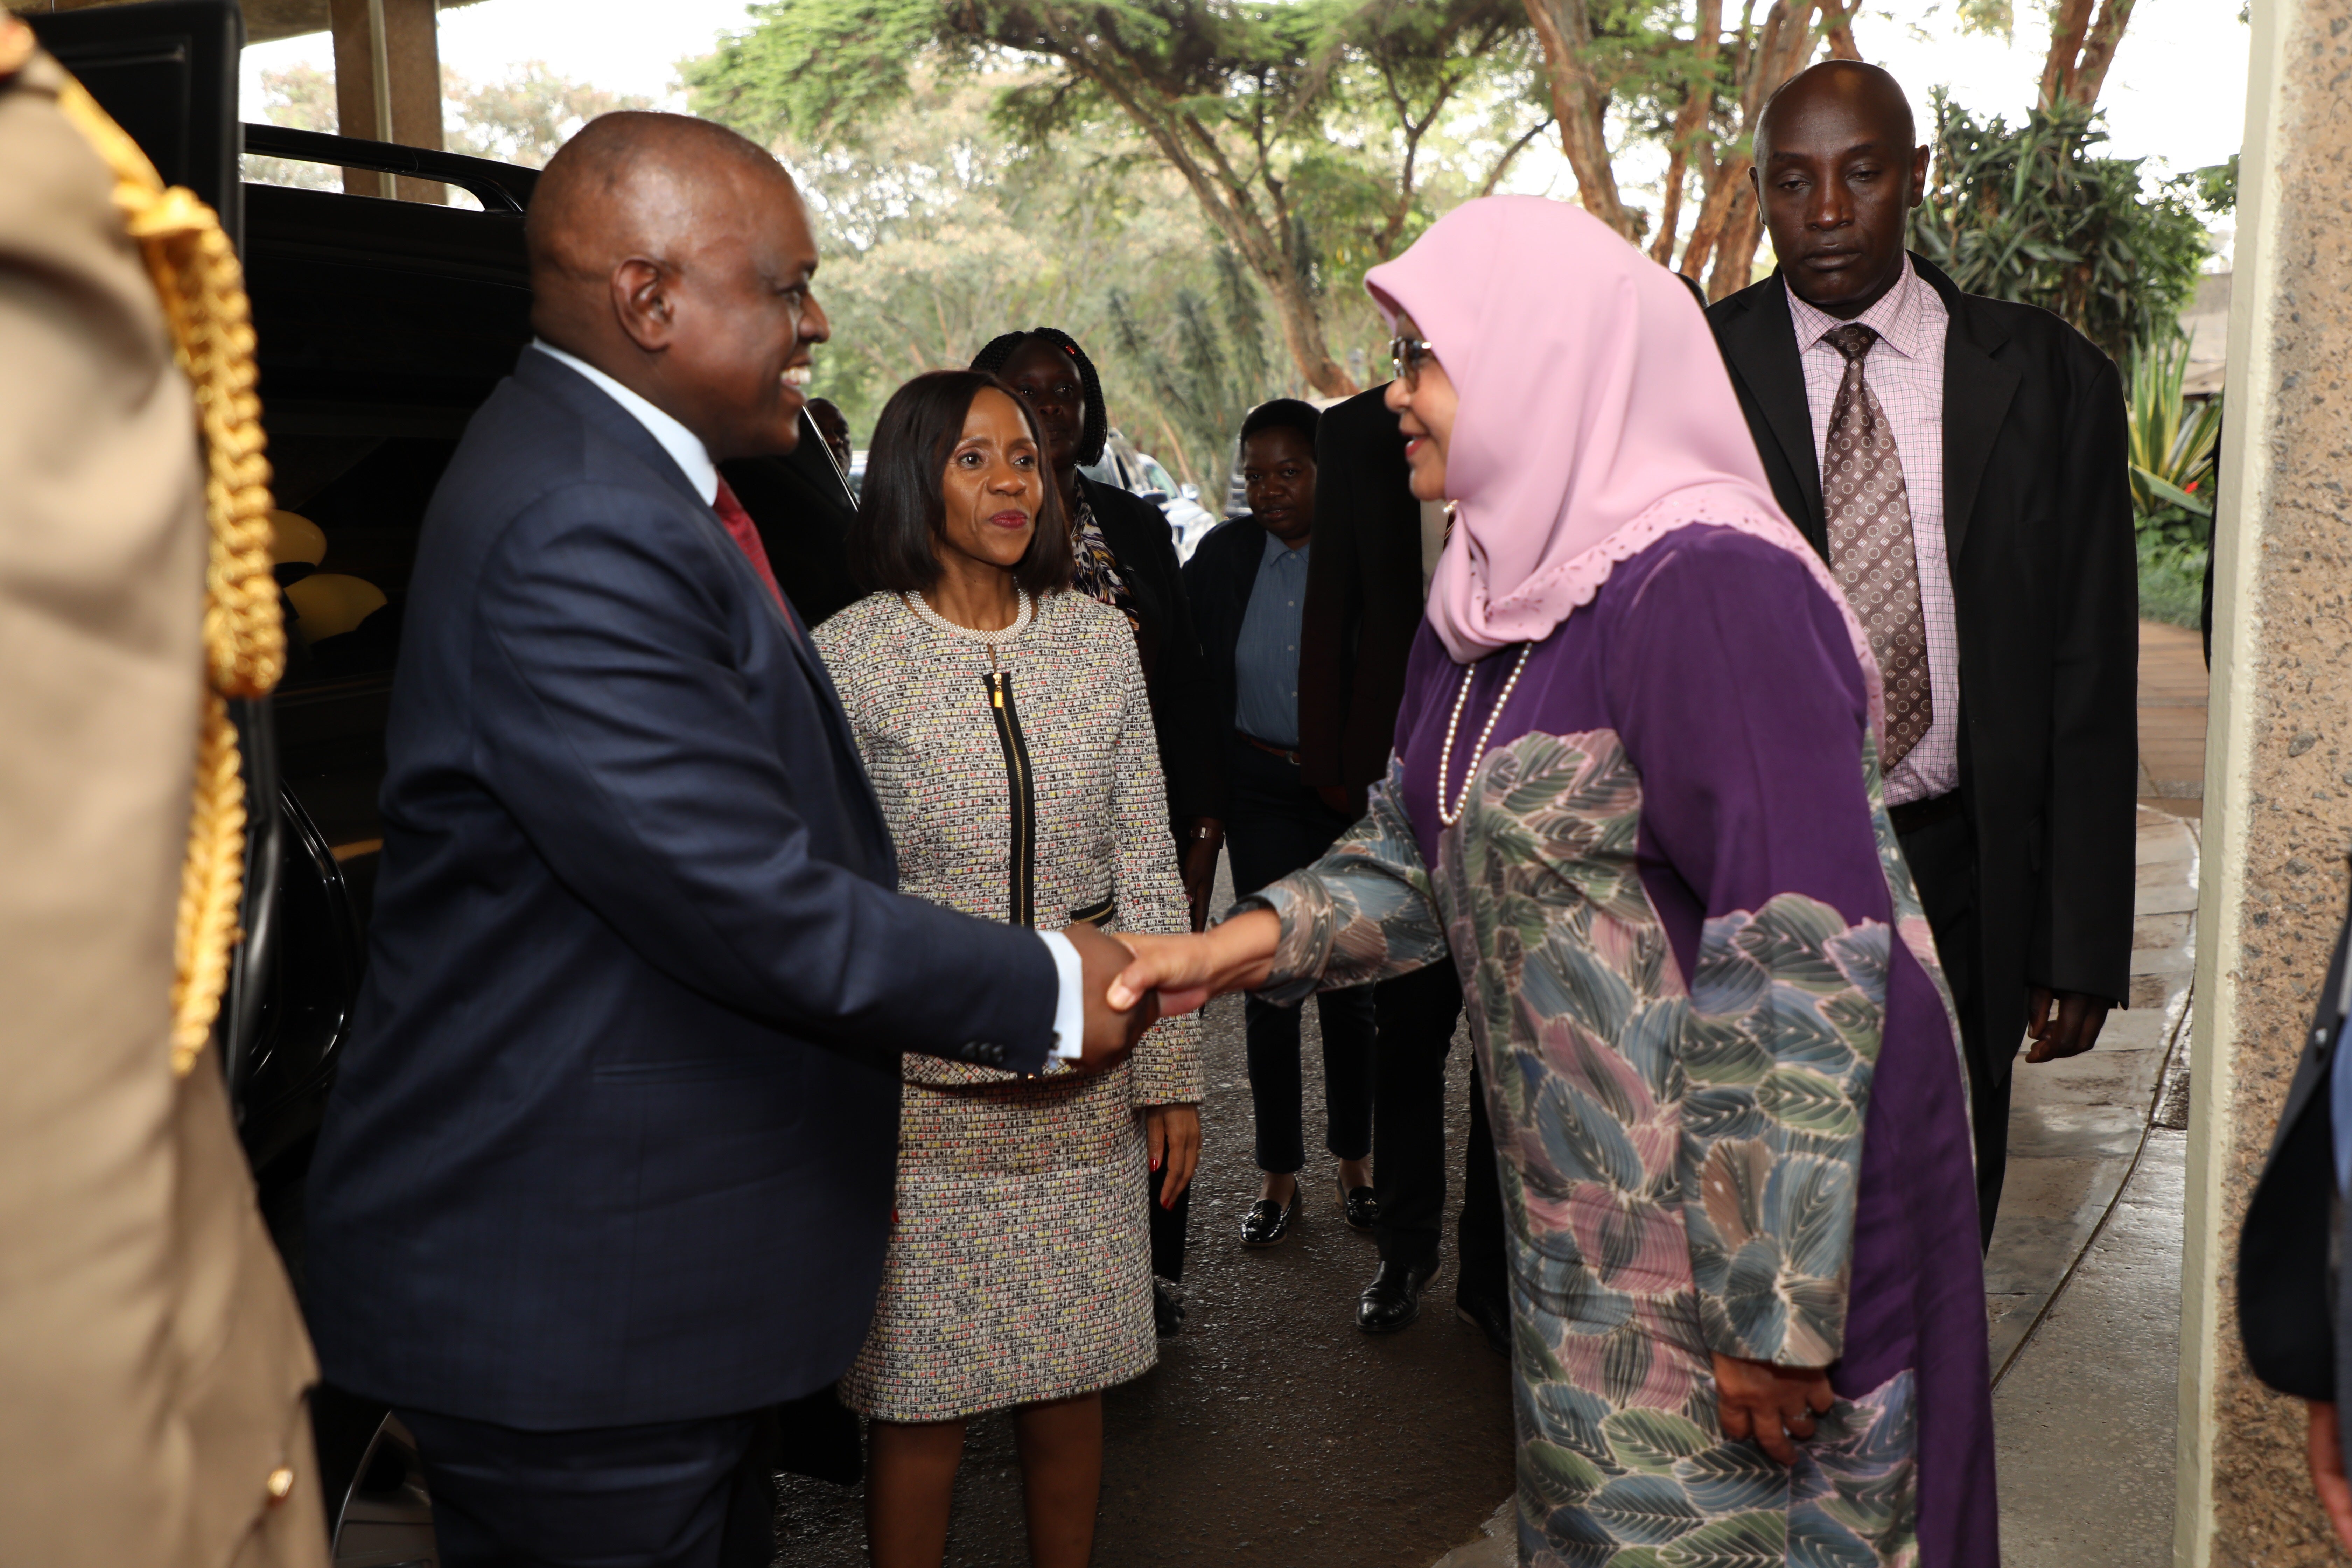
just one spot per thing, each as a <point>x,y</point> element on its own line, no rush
<point>609,1166</point>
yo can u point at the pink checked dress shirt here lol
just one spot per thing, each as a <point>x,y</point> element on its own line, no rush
<point>1906,369</point>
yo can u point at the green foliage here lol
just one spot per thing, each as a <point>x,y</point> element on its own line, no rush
<point>938,233</point>
<point>2175,452</point>
<point>1209,366</point>
<point>2216,186</point>
<point>520,120</point>
<point>1315,137</point>
<point>2032,215</point>
<point>526,117</point>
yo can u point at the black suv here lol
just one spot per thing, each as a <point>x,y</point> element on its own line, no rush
<point>381,326</point>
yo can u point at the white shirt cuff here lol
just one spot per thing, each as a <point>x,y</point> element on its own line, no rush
<point>1070,1006</point>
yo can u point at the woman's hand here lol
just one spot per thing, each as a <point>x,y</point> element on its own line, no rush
<point>1776,1405</point>
<point>1173,1134</point>
<point>1203,836</point>
<point>1188,970</point>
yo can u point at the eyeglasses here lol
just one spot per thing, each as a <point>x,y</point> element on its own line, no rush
<point>1408,355</point>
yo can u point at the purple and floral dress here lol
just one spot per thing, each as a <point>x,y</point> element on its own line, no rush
<point>1728,1105</point>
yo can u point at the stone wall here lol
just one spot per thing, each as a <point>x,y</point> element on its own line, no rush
<point>2278,804</point>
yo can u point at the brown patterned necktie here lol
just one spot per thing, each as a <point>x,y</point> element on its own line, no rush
<point>1871,550</point>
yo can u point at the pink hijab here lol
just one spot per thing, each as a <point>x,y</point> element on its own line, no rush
<point>1595,418</point>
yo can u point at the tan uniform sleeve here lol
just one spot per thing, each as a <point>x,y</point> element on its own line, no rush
<point>152,1362</point>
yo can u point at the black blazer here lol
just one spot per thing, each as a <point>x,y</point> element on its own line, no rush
<point>1191,739</point>
<point>2037,509</point>
<point>1364,597</point>
<point>801,506</point>
<point>1218,580</point>
<point>616,1136</point>
<point>2293,1326</point>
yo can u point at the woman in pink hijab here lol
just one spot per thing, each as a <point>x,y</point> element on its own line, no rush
<point>1635,800</point>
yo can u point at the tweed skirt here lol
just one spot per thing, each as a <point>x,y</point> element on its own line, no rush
<point>1006,1287</point>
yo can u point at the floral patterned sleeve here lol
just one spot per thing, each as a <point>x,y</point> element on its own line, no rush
<point>1363,912</point>
<point>1166,1068</point>
<point>1741,706</point>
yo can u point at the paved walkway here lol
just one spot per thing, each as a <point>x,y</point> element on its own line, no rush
<point>2171,718</point>
<point>2082,1284</point>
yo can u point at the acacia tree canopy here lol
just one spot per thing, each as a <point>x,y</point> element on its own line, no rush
<point>1304,132</point>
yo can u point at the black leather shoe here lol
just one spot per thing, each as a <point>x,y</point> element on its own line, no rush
<point>1392,1300</point>
<point>1362,1209</point>
<point>1491,1317</point>
<point>1268,1222</point>
<point>1167,1311</point>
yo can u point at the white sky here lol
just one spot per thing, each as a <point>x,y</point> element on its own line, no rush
<point>2177,91</point>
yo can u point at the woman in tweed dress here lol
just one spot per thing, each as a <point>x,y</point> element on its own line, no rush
<point>1004,722</point>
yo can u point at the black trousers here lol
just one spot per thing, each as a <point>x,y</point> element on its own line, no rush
<point>679,1494</point>
<point>1417,1014</point>
<point>1274,826</point>
<point>1943,856</point>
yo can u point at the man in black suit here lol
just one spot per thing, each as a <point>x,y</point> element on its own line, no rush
<point>608,1169</point>
<point>1365,588</point>
<point>2292,1313</point>
<point>1960,463</point>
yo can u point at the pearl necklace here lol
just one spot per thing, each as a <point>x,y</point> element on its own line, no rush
<point>1445,756</point>
<point>922,611</point>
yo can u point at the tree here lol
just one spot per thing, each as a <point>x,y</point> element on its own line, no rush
<point>1208,377</point>
<point>939,231</point>
<point>2083,38</point>
<point>301,99</point>
<point>1700,86</point>
<point>2034,214</point>
<point>521,119</point>
<point>525,118</point>
<point>1296,126</point>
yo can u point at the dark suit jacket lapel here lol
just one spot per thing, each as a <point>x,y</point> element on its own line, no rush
<point>1976,393</point>
<point>1760,346</point>
<point>556,380</point>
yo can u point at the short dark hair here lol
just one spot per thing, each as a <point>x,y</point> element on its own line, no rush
<point>1095,430</point>
<point>894,544</point>
<point>1284,414</point>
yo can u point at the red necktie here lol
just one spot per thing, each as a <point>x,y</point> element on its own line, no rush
<point>746,535</point>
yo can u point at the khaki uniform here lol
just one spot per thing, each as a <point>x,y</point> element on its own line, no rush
<point>153,1360</point>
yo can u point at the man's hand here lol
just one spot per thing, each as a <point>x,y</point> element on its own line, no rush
<point>1111,1032</point>
<point>1186,971</point>
<point>2327,1453</point>
<point>1203,836</point>
<point>1776,1405</point>
<point>1173,1134</point>
<point>2073,1030</point>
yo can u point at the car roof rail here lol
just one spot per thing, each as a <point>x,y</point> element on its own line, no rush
<point>500,187</point>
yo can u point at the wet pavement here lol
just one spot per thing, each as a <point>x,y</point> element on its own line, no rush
<point>1272,1431</point>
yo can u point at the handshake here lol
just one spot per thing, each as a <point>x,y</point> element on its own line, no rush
<point>1134,979</point>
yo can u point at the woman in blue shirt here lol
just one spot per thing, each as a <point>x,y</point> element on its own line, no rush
<point>1248,583</point>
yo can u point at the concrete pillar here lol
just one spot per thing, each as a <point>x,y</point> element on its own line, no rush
<point>409,112</point>
<point>2278,764</point>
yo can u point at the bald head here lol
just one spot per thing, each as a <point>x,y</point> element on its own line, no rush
<point>1836,174</point>
<point>1864,92</point>
<point>675,256</point>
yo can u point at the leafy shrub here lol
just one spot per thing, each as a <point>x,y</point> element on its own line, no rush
<point>2031,214</point>
<point>2175,447</point>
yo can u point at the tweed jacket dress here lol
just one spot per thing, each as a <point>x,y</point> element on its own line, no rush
<point>1024,788</point>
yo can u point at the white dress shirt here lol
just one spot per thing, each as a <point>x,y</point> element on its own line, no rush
<point>686,448</point>
<point>1906,369</point>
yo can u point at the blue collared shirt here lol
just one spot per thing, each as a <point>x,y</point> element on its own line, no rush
<point>1265,656</point>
